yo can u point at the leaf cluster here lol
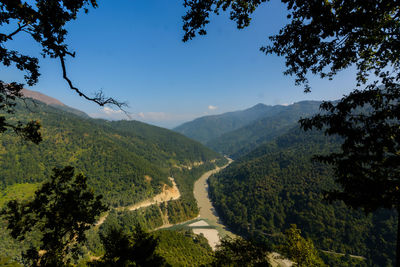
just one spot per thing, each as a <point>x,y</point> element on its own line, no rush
<point>62,210</point>
<point>240,252</point>
<point>125,248</point>
<point>45,22</point>
<point>259,195</point>
<point>322,37</point>
<point>367,166</point>
<point>299,249</point>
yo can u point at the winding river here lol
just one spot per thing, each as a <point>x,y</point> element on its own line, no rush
<point>208,213</point>
<point>202,197</point>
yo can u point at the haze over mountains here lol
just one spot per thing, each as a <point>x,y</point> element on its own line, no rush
<point>237,133</point>
<point>114,154</point>
<point>207,128</point>
<point>272,183</point>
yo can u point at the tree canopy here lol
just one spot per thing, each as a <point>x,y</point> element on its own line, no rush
<point>123,248</point>
<point>62,210</point>
<point>322,37</point>
<point>240,252</point>
<point>300,250</point>
<point>367,165</point>
<point>45,22</point>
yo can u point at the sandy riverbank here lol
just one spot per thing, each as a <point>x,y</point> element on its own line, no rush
<point>168,193</point>
<point>207,210</point>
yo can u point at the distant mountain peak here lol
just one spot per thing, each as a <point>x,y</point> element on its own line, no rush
<point>42,98</point>
<point>52,102</point>
<point>259,105</point>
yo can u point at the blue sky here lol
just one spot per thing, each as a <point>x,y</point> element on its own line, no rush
<point>132,50</point>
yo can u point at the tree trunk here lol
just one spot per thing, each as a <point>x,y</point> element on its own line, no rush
<point>398,238</point>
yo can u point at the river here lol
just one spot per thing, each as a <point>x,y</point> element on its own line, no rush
<point>207,211</point>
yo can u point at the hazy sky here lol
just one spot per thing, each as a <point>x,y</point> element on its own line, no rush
<point>132,50</point>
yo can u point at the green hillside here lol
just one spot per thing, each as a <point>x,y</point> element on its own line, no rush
<point>183,248</point>
<point>207,128</point>
<point>125,161</point>
<point>243,140</point>
<point>277,184</point>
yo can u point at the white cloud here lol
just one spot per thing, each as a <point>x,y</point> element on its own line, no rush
<point>287,104</point>
<point>211,107</point>
<point>154,116</point>
<point>162,119</point>
<point>110,111</point>
<point>110,114</point>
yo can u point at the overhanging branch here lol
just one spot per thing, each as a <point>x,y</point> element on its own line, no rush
<point>99,97</point>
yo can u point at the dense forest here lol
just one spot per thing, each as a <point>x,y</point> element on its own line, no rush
<point>245,139</point>
<point>116,156</point>
<point>278,184</point>
<point>125,161</point>
<point>178,248</point>
<point>237,133</point>
<point>206,128</point>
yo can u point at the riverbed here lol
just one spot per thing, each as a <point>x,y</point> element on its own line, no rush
<point>207,211</point>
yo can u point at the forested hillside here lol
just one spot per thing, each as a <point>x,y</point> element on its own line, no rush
<point>207,128</point>
<point>243,140</point>
<point>277,184</point>
<point>125,161</point>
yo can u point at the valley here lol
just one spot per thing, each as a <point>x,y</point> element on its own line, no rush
<point>178,189</point>
<point>204,133</point>
<point>207,211</point>
<point>168,193</point>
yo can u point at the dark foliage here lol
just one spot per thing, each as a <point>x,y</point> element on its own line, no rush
<point>123,248</point>
<point>367,167</point>
<point>62,210</point>
<point>45,21</point>
<point>322,37</point>
<point>115,155</point>
<point>29,130</point>
<point>276,185</point>
<point>240,252</point>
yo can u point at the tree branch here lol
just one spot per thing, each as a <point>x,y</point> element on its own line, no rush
<point>20,28</point>
<point>99,97</point>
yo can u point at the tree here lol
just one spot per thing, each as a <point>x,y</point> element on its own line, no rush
<point>61,211</point>
<point>240,252</point>
<point>6,262</point>
<point>367,167</point>
<point>300,250</point>
<point>123,248</point>
<point>325,37</point>
<point>45,21</point>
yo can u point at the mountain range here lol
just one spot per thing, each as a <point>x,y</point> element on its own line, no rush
<point>237,133</point>
<point>115,155</point>
<point>278,184</point>
<point>272,184</point>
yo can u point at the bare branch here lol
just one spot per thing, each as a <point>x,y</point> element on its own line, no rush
<point>20,28</point>
<point>99,98</point>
